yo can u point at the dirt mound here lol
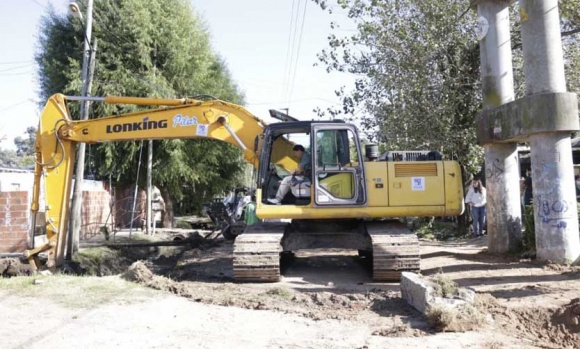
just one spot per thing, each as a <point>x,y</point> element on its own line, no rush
<point>558,327</point>
<point>569,317</point>
<point>565,269</point>
<point>139,272</point>
<point>10,267</point>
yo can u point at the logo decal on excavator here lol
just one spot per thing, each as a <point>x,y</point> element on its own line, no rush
<point>184,120</point>
<point>146,124</point>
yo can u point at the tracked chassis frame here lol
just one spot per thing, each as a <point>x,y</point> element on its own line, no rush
<point>391,245</point>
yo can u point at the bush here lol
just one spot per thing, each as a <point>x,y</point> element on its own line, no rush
<point>529,233</point>
<point>444,286</point>
<point>436,229</point>
<point>182,225</point>
<point>446,319</point>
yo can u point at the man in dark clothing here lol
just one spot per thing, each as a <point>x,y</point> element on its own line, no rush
<point>304,167</point>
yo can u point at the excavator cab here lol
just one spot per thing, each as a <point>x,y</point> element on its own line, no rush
<point>338,171</point>
<point>336,177</point>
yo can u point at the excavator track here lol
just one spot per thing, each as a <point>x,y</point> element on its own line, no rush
<point>395,250</point>
<point>257,252</point>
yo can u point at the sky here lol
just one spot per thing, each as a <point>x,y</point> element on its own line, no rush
<point>270,47</point>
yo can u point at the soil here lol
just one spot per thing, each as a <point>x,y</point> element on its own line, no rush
<point>327,299</point>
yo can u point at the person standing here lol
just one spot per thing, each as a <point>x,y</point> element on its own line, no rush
<point>476,198</point>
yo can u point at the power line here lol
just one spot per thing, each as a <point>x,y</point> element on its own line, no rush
<point>39,4</point>
<point>298,51</point>
<point>15,104</point>
<point>286,68</point>
<point>13,74</point>
<point>293,44</point>
<point>297,101</point>
<point>18,67</point>
<point>16,62</point>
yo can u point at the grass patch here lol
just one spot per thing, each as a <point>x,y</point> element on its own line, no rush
<point>436,230</point>
<point>447,319</point>
<point>101,261</point>
<point>182,224</point>
<point>76,291</point>
<point>105,260</point>
<point>444,286</point>
<point>280,292</point>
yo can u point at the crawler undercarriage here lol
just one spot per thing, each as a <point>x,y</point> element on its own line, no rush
<point>392,247</point>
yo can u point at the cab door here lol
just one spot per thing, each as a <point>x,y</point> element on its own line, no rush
<point>338,170</point>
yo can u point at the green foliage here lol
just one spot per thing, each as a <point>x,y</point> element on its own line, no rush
<point>182,225</point>
<point>436,230</point>
<point>529,233</point>
<point>24,154</point>
<point>8,158</point>
<point>148,48</point>
<point>101,261</point>
<point>282,292</point>
<point>25,146</point>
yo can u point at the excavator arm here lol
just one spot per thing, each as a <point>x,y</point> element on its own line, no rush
<point>168,119</point>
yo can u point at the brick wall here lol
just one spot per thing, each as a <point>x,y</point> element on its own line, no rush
<point>14,221</point>
<point>95,213</point>
<point>15,218</point>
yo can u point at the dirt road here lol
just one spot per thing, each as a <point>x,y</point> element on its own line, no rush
<point>326,299</point>
<point>166,321</point>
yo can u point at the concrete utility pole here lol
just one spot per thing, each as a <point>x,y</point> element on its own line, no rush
<point>546,117</point>
<point>555,210</point>
<point>501,162</point>
<point>80,167</point>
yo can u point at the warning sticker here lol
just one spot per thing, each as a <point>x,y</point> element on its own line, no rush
<point>201,130</point>
<point>417,183</point>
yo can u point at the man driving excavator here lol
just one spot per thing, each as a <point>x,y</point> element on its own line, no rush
<point>298,175</point>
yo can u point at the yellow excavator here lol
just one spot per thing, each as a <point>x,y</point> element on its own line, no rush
<point>344,201</point>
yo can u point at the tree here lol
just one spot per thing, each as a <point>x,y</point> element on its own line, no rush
<point>24,154</point>
<point>8,158</point>
<point>419,85</point>
<point>25,146</point>
<point>153,48</point>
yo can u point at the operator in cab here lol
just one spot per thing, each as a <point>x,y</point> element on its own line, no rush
<point>304,167</point>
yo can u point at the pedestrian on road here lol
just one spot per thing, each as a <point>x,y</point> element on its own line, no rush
<point>476,198</point>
